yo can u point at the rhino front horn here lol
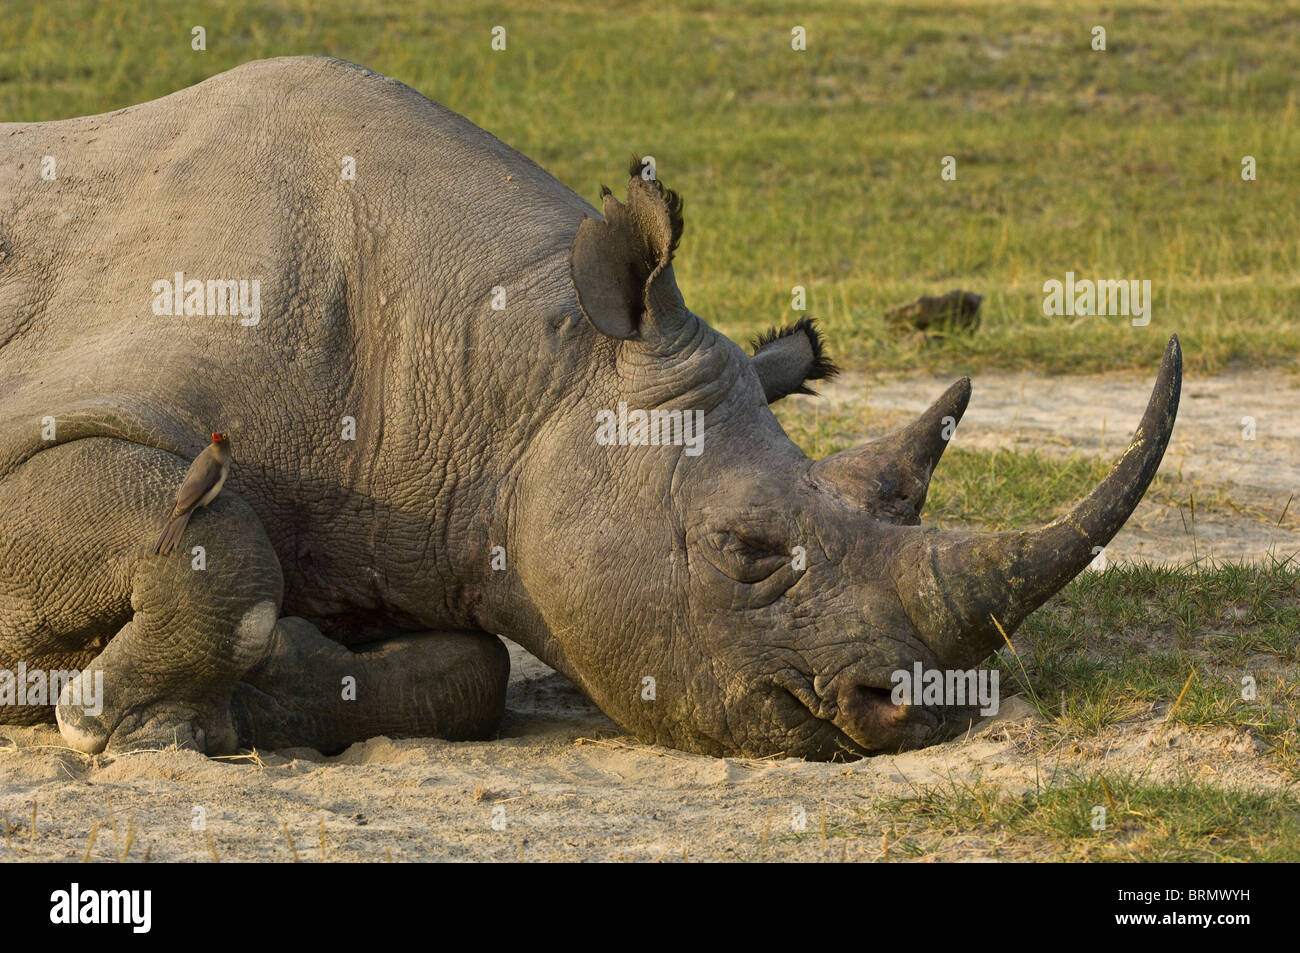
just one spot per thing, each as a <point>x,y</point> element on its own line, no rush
<point>966,582</point>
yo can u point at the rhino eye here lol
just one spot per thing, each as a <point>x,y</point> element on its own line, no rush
<point>749,545</point>
<point>746,556</point>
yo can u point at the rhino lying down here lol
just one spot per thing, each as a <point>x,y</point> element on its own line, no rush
<point>418,470</point>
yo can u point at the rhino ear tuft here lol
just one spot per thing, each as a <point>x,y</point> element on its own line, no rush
<point>787,358</point>
<point>621,268</point>
<point>672,202</point>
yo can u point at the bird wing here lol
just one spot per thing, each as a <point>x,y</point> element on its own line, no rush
<point>202,476</point>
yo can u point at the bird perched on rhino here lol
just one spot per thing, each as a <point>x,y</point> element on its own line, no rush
<point>203,481</point>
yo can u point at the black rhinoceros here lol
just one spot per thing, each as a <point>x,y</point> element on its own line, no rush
<point>463,404</point>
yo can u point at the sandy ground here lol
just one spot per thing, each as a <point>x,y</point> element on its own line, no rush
<point>562,782</point>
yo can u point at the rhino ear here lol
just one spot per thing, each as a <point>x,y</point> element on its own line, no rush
<point>786,359</point>
<point>621,267</point>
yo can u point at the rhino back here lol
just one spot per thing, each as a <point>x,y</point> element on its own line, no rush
<point>240,177</point>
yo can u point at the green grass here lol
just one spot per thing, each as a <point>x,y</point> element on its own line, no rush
<point>1005,489</point>
<point>1112,654</point>
<point>1121,644</point>
<point>821,168</point>
<point>1182,821</point>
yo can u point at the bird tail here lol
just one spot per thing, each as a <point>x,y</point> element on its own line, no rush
<point>171,534</point>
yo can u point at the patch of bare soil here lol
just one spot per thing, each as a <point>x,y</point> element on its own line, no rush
<point>1241,486</point>
<point>561,783</point>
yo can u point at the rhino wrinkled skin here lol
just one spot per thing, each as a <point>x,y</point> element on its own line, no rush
<point>416,472</point>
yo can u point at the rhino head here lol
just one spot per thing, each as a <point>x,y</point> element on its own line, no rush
<point>729,595</point>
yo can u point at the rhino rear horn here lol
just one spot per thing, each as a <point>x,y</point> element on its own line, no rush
<point>890,477</point>
<point>787,359</point>
<point>621,267</point>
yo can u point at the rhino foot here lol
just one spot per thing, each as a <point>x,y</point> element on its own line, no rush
<point>150,727</point>
<point>311,691</point>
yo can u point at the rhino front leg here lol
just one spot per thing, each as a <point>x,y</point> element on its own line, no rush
<point>311,691</point>
<point>160,640</point>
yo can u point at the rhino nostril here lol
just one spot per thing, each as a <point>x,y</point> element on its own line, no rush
<point>869,705</point>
